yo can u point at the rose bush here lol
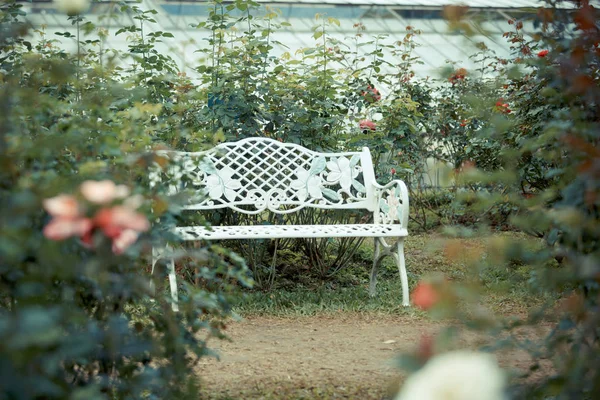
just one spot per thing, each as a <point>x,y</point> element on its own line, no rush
<point>544,126</point>
<point>120,223</point>
<point>78,318</point>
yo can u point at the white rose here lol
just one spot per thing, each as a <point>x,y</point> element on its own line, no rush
<point>72,7</point>
<point>458,375</point>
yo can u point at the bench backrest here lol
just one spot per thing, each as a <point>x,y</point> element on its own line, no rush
<point>257,174</point>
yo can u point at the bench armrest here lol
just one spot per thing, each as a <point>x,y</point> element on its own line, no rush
<point>391,203</point>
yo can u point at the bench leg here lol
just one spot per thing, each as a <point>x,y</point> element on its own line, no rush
<point>155,257</point>
<point>376,261</point>
<point>402,270</point>
<point>173,284</point>
<point>157,254</point>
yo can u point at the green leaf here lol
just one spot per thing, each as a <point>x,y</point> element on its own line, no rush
<point>330,194</point>
<point>383,206</point>
<point>318,34</point>
<point>358,186</point>
<point>88,27</point>
<point>38,327</point>
<point>333,21</point>
<point>318,165</point>
<point>90,392</point>
<point>65,34</point>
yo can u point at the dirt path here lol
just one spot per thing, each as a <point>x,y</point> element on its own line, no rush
<point>346,356</point>
<point>313,353</point>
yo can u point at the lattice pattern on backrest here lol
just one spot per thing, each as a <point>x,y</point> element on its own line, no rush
<point>256,174</point>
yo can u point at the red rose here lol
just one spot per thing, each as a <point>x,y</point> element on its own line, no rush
<point>503,107</point>
<point>371,94</point>
<point>367,124</point>
<point>459,74</point>
<point>543,53</point>
<point>425,296</point>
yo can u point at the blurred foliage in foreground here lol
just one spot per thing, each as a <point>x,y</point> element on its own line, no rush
<point>549,170</point>
<point>78,319</point>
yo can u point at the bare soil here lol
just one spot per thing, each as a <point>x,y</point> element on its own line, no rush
<point>329,357</point>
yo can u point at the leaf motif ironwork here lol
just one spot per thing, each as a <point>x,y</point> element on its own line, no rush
<point>390,205</point>
<point>268,176</point>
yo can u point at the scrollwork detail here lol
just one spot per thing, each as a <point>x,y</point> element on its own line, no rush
<point>390,205</point>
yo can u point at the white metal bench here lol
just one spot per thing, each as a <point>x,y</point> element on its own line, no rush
<point>258,175</point>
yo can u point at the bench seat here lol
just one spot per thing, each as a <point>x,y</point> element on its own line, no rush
<point>290,231</point>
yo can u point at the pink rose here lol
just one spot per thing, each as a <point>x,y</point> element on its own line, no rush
<point>61,228</point>
<point>63,205</point>
<point>67,220</point>
<point>118,218</point>
<point>102,192</point>
<point>124,240</point>
<point>120,223</point>
<point>134,201</point>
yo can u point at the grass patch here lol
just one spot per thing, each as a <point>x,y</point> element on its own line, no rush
<point>504,286</point>
<point>324,299</point>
